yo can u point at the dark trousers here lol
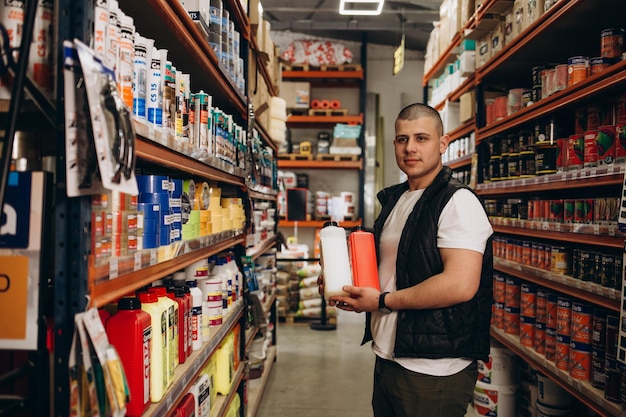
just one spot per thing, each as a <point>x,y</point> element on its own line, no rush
<point>399,392</point>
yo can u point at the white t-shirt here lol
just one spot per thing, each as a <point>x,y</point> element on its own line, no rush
<point>463,224</point>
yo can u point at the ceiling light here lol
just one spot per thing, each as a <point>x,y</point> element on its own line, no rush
<point>361,7</point>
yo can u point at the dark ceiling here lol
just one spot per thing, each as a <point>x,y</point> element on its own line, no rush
<point>413,18</point>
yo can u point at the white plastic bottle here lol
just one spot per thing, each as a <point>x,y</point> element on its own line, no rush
<point>335,260</point>
<point>196,315</point>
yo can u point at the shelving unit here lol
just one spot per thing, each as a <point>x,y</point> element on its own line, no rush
<point>550,38</point>
<point>78,281</point>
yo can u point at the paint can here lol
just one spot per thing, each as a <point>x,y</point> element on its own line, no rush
<point>560,260</point>
<point>551,310</point>
<point>561,358</point>
<point>580,360</point>
<point>528,300</point>
<point>564,316</point>
<point>612,43</point>
<point>541,307</point>
<point>581,322</point>
<point>499,285</point>
<point>550,344</point>
<point>527,331</point>
<point>545,158</point>
<point>511,320</point>
<point>607,271</point>
<point>577,69</point>
<point>512,292</point>
<point>498,315</point>
<point>599,64</point>
<point>540,337</point>
<point>598,373</point>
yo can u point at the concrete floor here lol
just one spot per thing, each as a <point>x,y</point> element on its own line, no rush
<point>320,373</point>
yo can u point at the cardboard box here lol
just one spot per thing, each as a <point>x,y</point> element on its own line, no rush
<point>534,9</point>
<point>467,10</point>
<point>450,116</point>
<point>297,94</point>
<point>483,51</point>
<point>497,39</point>
<point>467,63</point>
<point>467,104</point>
<point>519,17</point>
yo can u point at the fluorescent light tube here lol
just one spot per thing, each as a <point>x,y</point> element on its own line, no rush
<point>361,7</point>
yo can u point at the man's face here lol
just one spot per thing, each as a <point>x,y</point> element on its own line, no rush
<point>418,147</point>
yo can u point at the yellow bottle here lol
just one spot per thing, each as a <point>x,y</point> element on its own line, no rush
<point>158,358</point>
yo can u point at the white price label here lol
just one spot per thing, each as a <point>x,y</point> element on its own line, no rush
<point>137,265</point>
<point>153,257</point>
<point>168,402</point>
<point>113,268</point>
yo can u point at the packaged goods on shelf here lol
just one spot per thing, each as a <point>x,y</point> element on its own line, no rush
<point>317,53</point>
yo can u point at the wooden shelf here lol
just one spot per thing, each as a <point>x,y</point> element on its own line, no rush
<point>588,291</point>
<point>327,120</point>
<point>311,164</point>
<point>585,178</point>
<point>263,193</point>
<point>347,224</point>
<point>150,151</point>
<point>460,162</point>
<point>582,390</point>
<point>187,373</point>
<point>261,248</point>
<point>589,239</point>
<point>134,275</point>
<point>592,87</point>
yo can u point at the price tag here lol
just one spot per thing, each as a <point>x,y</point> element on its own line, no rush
<point>153,257</point>
<point>579,285</point>
<point>137,263</point>
<point>168,402</point>
<point>113,268</point>
<point>557,227</point>
<point>596,229</point>
<point>612,231</point>
<point>589,287</point>
<point>151,134</point>
<point>545,226</point>
<point>183,378</point>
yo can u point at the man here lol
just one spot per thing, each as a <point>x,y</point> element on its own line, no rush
<point>431,321</point>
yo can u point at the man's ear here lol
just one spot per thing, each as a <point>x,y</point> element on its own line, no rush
<point>443,144</point>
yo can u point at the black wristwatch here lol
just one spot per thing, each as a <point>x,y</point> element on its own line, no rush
<point>382,307</point>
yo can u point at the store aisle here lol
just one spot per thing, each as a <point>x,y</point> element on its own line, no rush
<point>320,373</point>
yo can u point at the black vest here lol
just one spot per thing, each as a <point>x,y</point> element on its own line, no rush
<point>461,330</point>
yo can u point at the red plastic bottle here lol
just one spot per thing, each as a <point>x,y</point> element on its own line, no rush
<point>363,259</point>
<point>130,330</point>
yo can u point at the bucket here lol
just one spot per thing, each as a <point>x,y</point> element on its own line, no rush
<point>501,369</point>
<point>547,411</point>
<point>494,400</point>
<point>550,394</point>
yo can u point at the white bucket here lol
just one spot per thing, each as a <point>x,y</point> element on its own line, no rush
<point>494,400</point>
<point>550,394</point>
<point>501,369</point>
<point>546,411</point>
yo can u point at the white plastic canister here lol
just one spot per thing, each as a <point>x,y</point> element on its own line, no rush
<point>501,369</point>
<point>494,400</point>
